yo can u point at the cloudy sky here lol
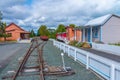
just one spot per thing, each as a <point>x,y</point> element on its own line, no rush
<point>30,14</point>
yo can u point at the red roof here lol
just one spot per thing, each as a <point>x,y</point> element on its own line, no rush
<point>23,31</point>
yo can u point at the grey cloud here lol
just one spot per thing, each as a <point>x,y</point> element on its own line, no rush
<point>54,12</point>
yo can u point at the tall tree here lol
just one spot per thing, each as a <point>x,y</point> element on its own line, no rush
<point>3,32</point>
<point>60,28</point>
<point>0,17</point>
<point>32,33</point>
<point>43,31</point>
<point>72,25</point>
<point>0,23</point>
<point>52,33</point>
<point>2,28</point>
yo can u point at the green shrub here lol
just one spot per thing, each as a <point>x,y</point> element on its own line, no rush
<point>86,45</point>
<point>116,44</point>
<point>79,44</point>
<point>73,43</point>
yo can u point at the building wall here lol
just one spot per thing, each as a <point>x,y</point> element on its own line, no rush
<point>14,34</point>
<point>78,35</point>
<point>111,30</point>
<point>70,33</point>
<point>1,39</point>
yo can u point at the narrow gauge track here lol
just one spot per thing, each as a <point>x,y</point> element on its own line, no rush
<point>41,61</point>
<point>41,69</point>
<point>31,49</point>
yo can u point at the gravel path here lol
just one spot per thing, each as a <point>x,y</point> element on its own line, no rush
<point>52,57</point>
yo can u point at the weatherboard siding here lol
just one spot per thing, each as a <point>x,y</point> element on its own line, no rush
<point>111,30</point>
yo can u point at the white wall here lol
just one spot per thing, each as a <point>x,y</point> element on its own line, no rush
<point>111,30</point>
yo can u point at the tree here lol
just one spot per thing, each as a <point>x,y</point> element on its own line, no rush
<point>72,25</point>
<point>60,28</point>
<point>0,17</point>
<point>0,23</point>
<point>52,33</point>
<point>3,32</point>
<point>38,33</point>
<point>43,31</point>
<point>32,33</point>
<point>2,28</point>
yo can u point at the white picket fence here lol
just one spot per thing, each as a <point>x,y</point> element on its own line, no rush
<point>107,68</point>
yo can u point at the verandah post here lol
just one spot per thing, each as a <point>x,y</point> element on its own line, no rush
<point>83,35</point>
<point>90,34</point>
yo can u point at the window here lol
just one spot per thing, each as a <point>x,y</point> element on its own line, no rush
<point>9,34</point>
<point>95,32</point>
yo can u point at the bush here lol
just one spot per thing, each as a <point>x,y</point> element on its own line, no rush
<point>79,44</point>
<point>86,45</point>
<point>116,44</point>
<point>73,43</point>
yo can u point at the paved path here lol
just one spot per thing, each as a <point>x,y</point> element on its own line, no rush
<point>104,54</point>
<point>7,51</point>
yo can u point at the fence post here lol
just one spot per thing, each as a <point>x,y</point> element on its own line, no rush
<point>69,51</point>
<point>64,48</point>
<point>60,46</point>
<point>87,60</point>
<point>112,76</point>
<point>53,42</point>
<point>75,57</point>
<point>57,45</point>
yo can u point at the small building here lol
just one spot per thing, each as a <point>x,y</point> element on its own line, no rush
<point>16,32</point>
<point>102,29</point>
<point>78,34</point>
<point>73,34</point>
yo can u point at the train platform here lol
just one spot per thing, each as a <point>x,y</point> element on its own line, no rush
<point>103,54</point>
<point>52,56</point>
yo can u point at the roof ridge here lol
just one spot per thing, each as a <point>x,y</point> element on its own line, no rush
<point>100,20</point>
<point>16,26</point>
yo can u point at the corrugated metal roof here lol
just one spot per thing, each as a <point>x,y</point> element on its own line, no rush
<point>98,21</point>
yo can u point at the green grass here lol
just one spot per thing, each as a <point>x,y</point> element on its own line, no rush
<point>116,44</point>
<point>8,41</point>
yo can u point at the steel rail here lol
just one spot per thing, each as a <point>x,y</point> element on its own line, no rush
<point>25,59</point>
<point>41,60</point>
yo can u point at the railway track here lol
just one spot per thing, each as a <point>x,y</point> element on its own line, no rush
<point>21,68</point>
<point>29,52</point>
<point>41,69</point>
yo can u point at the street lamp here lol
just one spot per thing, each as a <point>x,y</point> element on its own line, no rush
<point>62,54</point>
